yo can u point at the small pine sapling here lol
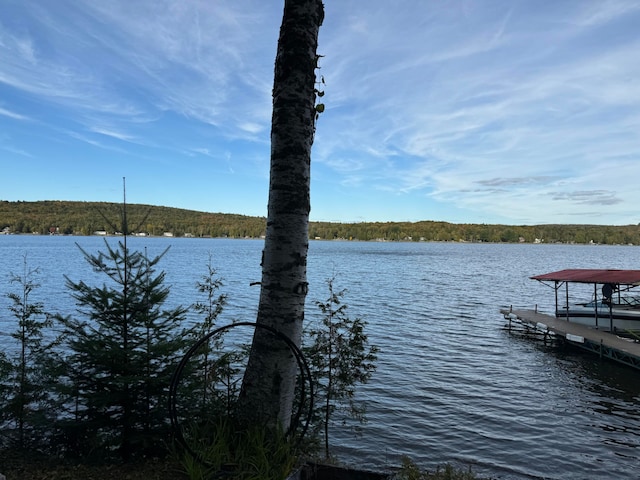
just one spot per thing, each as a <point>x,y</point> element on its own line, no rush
<point>340,358</point>
<point>25,386</point>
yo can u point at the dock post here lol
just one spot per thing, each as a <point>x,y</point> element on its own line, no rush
<point>536,310</point>
<point>601,346</point>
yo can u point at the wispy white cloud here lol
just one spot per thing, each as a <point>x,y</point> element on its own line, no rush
<point>191,58</point>
<point>592,14</point>
<point>16,151</point>
<point>94,142</point>
<point>125,137</point>
<point>195,58</point>
<point>14,115</point>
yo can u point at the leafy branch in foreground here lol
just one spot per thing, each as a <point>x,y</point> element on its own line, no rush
<point>23,384</point>
<point>340,358</point>
<point>210,381</point>
<point>410,471</point>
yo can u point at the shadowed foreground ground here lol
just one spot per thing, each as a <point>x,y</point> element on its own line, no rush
<point>19,468</point>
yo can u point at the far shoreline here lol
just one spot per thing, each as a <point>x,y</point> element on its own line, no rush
<point>316,239</point>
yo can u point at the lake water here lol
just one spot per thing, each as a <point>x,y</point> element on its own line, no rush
<point>451,384</point>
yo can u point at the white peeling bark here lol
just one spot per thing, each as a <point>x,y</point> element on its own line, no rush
<point>269,381</point>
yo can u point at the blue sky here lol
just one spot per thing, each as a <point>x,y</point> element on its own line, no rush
<point>513,112</point>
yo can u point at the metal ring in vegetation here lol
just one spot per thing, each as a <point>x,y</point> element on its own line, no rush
<point>306,384</point>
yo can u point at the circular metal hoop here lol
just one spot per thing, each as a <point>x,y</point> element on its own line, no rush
<point>303,367</point>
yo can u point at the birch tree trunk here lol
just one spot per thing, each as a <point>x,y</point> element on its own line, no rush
<point>269,381</point>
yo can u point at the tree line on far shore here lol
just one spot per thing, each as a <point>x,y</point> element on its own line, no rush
<point>88,218</point>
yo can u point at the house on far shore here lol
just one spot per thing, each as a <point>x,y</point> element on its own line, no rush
<point>167,234</point>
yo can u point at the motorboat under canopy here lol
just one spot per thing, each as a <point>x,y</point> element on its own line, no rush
<point>582,275</point>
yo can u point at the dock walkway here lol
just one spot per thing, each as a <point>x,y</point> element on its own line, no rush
<point>604,344</point>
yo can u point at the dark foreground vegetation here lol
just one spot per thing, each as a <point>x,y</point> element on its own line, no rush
<point>88,218</point>
<point>18,465</point>
<point>94,393</point>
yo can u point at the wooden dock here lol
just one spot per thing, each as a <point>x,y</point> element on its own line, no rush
<point>604,344</point>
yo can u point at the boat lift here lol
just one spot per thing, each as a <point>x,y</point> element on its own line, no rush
<point>612,281</point>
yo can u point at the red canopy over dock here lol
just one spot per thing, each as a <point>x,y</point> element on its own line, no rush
<point>581,275</point>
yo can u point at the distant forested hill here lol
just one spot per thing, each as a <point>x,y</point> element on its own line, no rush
<point>87,218</point>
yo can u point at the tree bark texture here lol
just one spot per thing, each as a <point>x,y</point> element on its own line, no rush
<point>269,381</point>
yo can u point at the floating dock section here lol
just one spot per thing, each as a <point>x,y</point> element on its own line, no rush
<point>604,344</point>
